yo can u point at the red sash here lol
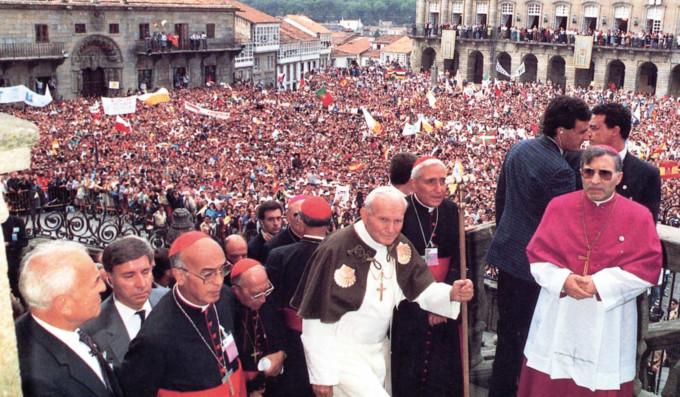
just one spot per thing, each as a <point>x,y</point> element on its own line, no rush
<point>441,270</point>
<point>291,319</point>
<point>238,382</point>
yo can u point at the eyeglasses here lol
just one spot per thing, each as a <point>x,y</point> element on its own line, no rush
<point>605,175</point>
<point>221,272</point>
<point>262,294</point>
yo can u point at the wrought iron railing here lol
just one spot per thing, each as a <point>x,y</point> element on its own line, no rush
<point>31,50</point>
<point>93,220</point>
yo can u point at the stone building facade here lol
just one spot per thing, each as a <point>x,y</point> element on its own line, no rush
<point>93,46</point>
<point>639,52</point>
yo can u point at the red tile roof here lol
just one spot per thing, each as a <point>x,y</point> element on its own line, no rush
<point>251,14</point>
<point>402,46</point>
<point>356,46</point>
<point>308,23</point>
<point>291,34</point>
<point>387,39</point>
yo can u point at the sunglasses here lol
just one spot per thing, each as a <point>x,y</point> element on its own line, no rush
<point>589,173</point>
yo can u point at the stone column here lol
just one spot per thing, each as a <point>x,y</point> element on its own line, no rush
<point>16,139</point>
<point>630,78</point>
<point>444,12</point>
<point>468,16</point>
<point>663,78</point>
<point>420,17</point>
<point>493,11</point>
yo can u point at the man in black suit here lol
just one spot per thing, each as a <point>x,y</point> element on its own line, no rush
<point>533,173</point>
<point>270,216</point>
<point>127,262</point>
<point>61,286</point>
<point>610,125</point>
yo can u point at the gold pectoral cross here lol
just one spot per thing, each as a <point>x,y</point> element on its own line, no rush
<point>587,260</point>
<point>381,288</point>
<point>255,354</point>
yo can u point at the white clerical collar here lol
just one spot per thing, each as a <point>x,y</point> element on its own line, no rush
<point>312,237</point>
<point>360,228</point>
<point>597,203</point>
<point>188,302</point>
<point>622,154</point>
<point>429,209</point>
<point>126,312</point>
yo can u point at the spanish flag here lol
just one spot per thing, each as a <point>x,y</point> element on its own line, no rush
<point>355,167</point>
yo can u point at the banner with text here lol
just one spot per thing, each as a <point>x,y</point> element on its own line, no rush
<point>212,113</point>
<point>116,106</point>
<point>21,93</point>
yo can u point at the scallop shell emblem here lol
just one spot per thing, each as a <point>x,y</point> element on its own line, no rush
<point>345,277</point>
<point>403,253</point>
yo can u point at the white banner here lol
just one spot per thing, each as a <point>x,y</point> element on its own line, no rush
<point>411,129</point>
<point>583,49</point>
<point>116,106</point>
<point>342,194</point>
<point>21,93</point>
<point>448,43</point>
<point>197,109</point>
<point>500,69</point>
<point>520,71</point>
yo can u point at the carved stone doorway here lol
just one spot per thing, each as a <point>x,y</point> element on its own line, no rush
<point>96,61</point>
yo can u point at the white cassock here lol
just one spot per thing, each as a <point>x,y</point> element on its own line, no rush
<point>592,342</point>
<point>352,354</point>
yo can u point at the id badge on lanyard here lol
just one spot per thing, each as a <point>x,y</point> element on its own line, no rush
<point>431,256</point>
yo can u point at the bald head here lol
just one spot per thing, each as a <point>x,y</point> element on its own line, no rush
<point>235,248</point>
<point>251,286</point>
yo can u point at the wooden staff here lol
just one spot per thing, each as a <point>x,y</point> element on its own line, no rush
<point>463,275</point>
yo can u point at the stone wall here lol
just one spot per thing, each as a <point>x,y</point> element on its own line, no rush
<point>19,27</point>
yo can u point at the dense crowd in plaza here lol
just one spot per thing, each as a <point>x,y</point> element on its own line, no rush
<point>276,144</point>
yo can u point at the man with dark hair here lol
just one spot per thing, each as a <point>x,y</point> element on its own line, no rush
<point>533,173</point>
<point>611,125</point>
<point>285,266</point>
<point>187,343</point>
<point>401,165</point>
<point>592,254</point>
<point>270,216</point>
<point>128,263</point>
<point>293,230</point>
<point>257,328</point>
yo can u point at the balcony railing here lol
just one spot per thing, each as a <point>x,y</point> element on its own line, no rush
<point>155,47</point>
<point>32,50</point>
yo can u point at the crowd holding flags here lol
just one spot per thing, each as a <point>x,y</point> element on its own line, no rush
<point>122,125</point>
<point>375,127</point>
<point>325,96</point>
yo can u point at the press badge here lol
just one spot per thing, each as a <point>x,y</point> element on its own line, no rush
<point>431,256</point>
<point>229,345</point>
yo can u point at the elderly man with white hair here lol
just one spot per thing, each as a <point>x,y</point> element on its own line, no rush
<point>348,292</point>
<point>61,286</point>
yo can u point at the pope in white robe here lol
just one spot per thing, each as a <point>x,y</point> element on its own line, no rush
<point>347,353</point>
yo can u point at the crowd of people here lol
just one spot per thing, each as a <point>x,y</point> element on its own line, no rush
<point>242,159</point>
<point>642,38</point>
<point>276,144</point>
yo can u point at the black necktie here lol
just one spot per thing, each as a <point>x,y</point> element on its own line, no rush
<point>142,316</point>
<point>94,351</point>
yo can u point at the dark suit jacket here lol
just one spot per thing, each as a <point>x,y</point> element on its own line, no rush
<point>108,330</point>
<point>256,248</point>
<point>641,181</point>
<point>49,368</point>
<point>533,173</point>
